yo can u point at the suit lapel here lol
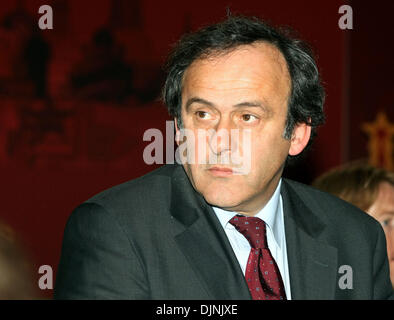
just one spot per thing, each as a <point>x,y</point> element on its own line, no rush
<point>204,242</point>
<point>312,263</point>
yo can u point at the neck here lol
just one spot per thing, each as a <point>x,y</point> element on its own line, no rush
<point>253,206</point>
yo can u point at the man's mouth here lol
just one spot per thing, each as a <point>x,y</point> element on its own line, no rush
<point>221,171</point>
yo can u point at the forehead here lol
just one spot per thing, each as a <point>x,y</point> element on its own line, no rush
<point>386,195</point>
<point>384,203</point>
<point>259,66</point>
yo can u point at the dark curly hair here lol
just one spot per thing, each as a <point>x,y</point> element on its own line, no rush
<point>305,104</point>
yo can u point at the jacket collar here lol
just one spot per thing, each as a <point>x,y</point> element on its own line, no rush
<point>312,261</point>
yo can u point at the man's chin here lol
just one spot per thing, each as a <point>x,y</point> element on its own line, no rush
<point>221,201</point>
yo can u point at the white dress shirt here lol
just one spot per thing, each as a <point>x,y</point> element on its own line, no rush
<point>272,215</point>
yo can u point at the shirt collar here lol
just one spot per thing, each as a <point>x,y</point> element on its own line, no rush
<point>270,214</point>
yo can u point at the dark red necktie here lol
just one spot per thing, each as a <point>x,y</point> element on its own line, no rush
<point>262,273</point>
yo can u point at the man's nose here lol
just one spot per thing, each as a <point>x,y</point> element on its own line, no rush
<point>220,140</point>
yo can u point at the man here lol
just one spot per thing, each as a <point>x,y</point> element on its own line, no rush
<point>216,228</point>
<point>369,188</point>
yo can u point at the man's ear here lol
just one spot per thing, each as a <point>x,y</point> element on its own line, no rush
<point>300,138</point>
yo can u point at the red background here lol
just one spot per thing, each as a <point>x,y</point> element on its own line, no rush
<point>60,147</point>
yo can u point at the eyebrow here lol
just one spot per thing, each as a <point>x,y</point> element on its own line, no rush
<point>255,103</point>
<point>198,100</point>
<point>386,213</point>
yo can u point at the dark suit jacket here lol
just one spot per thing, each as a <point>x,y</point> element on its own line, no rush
<point>156,238</point>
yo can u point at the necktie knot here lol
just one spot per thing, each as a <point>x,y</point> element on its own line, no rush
<point>253,229</point>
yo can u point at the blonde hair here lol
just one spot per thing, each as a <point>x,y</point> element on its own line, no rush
<point>356,182</point>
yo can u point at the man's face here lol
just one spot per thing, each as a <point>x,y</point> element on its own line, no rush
<point>245,90</point>
<point>383,211</point>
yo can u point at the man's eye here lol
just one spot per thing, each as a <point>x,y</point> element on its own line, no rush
<point>202,114</point>
<point>248,118</point>
<point>387,222</point>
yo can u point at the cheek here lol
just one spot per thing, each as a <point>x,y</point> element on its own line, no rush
<point>196,177</point>
<point>390,239</point>
<point>269,148</point>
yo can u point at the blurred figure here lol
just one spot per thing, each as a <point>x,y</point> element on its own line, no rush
<point>27,54</point>
<point>369,188</point>
<point>16,273</point>
<point>102,74</point>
